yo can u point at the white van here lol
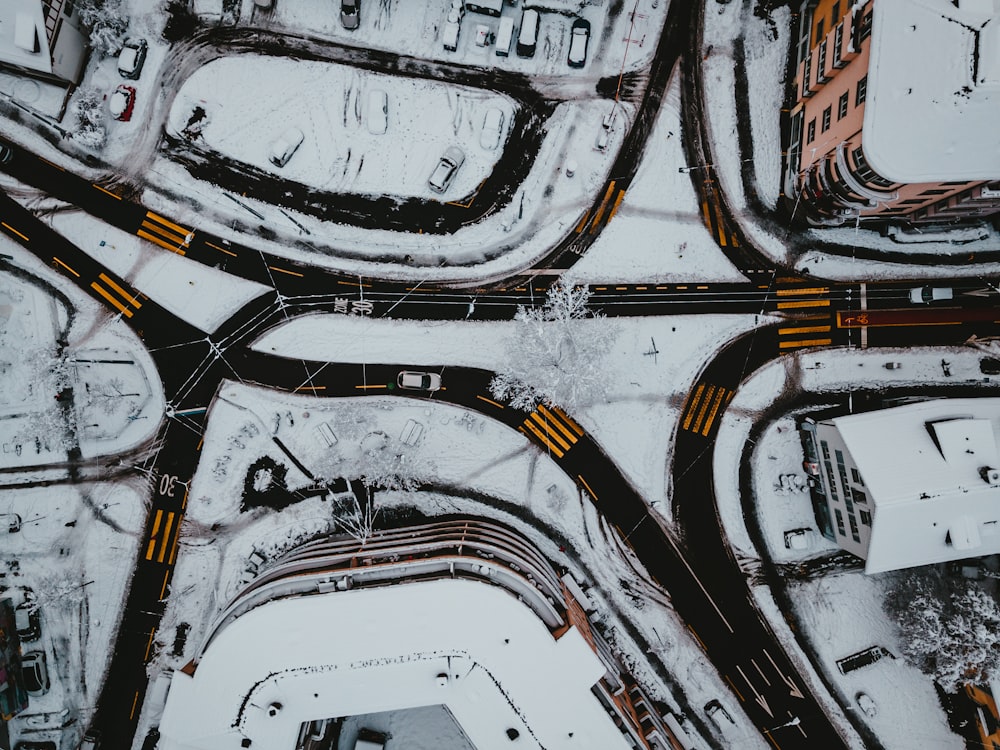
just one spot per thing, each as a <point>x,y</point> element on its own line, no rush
<point>528,36</point>
<point>369,739</point>
<point>504,36</point>
<point>450,35</point>
<point>283,148</point>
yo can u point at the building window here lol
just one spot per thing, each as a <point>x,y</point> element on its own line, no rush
<point>912,202</point>
<point>859,97</point>
<point>866,27</point>
<point>838,43</point>
<point>826,118</point>
<point>842,106</point>
<point>835,13</point>
<point>819,29</point>
<point>936,191</point>
<point>821,70</point>
<point>865,172</point>
<point>840,522</point>
<point>860,497</point>
<point>856,476</point>
<point>866,518</point>
<point>811,131</point>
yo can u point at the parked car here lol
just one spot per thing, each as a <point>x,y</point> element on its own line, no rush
<point>131,58</point>
<point>989,366</point>
<point>6,153</point>
<point>35,745</point>
<point>27,622</point>
<point>369,739</point>
<point>122,102</point>
<point>927,294</point>
<point>867,704</point>
<point>283,148</point>
<point>350,14</point>
<point>418,381</point>
<point>718,713</point>
<point>35,672</point>
<point>446,168</point>
<point>378,112</point>
<point>489,138</point>
<point>579,36</point>
<point>91,741</point>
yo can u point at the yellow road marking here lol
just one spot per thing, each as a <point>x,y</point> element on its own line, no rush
<point>715,408</point>
<point>51,164</point>
<point>221,249</point>
<point>738,693</point>
<point>152,534</point>
<point>149,644</point>
<point>162,232</point>
<point>564,444</point>
<point>283,270</point>
<point>490,401</point>
<point>107,192</point>
<point>166,537</point>
<point>162,243</point>
<point>552,419</point>
<point>704,408</point>
<point>177,538</point>
<point>365,387</point>
<point>9,228</point>
<point>640,288</point>
<point>542,438</point>
<point>583,222</point>
<point>615,205</point>
<point>113,300</point>
<point>122,292</point>
<point>587,486</point>
<point>600,208</point>
<point>135,701</point>
<point>721,224</point>
<point>311,388</point>
<point>569,420</point>
<point>365,286</point>
<point>803,329</point>
<point>802,344</point>
<point>56,260</point>
<point>809,290</point>
<point>804,303</point>
<point>163,588</point>
<point>167,223</point>
<point>692,406</point>
<point>700,642</point>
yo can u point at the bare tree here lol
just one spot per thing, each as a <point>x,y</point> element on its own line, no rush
<point>555,357</point>
<point>108,395</point>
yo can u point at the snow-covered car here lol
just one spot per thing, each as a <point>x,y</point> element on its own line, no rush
<point>122,102</point>
<point>447,166</point>
<point>579,37</point>
<point>867,704</point>
<point>35,672</point>
<point>350,14</point>
<point>369,739</point>
<point>927,294</point>
<point>131,58</point>
<point>489,138</point>
<point>418,381</point>
<point>717,713</point>
<point>378,112</point>
<point>283,148</point>
<point>27,622</point>
<point>798,539</point>
<point>91,741</point>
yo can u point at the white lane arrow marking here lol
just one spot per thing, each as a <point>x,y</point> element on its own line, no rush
<point>792,687</point>
<point>761,701</point>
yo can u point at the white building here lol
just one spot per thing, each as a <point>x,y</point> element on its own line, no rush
<point>909,485</point>
<point>43,39</point>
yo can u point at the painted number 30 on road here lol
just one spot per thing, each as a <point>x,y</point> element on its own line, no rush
<point>167,483</point>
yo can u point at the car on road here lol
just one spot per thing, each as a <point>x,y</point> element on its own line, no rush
<point>489,137</point>
<point>122,102</point>
<point>285,147</point>
<point>131,58</point>
<point>378,112</point>
<point>35,672</point>
<point>27,622</point>
<point>447,166</point>
<point>6,153</point>
<point>350,14</point>
<point>927,294</point>
<point>418,381</point>
<point>579,37</point>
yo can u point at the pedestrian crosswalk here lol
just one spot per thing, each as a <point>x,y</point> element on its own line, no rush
<point>715,222</point>
<point>555,430</point>
<point>124,301</point>
<point>165,233</point>
<point>605,210</point>
<point>812,326</point>
<point>705,407</point>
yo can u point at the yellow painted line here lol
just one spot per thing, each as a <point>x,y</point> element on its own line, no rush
<point>640,288</point>
<point>490,401</point>
<point>149,644</point>
<point>122,292</point>
<point>711,415</point>
<point>720,223</point>
<point>221,249</point>
<point>564,444</point>
<point>788,280</point>
<point>583,222</point>
<point>600,208</point>
<point>692,406</point>
<point>162,232</point>
<point>704,408</point>
<point>311,388</point>
<point>808,290</point>
<point>135,702</point>
<point>738,693</point>
<point>552,419</point>
<point>804,303</point>
<point>177,538</point>
<point>803,329</point>
<point>600,289</point>
<point>542,438</point>
<point>51,164</point>
<point>284,270</point>
<point>200,443</point>
<point>682,287</point>
<point>163,588</point>
<point>157,241</point>
<point>569,420</point>
<point>704,212</point>
<point>368,387</point>
<point>166,536</point>
<point>701,287</point>
<point>621,288</point>
<point>767,733</point>
<point>700,642</point>
<point>183,231</point>
<point>113,300</point>
<point>615,205</point>
<point>107,192</point>
<point>184,502</point>
<point>364,286</point>
<point>802,344</point>
<point>11,229</point>
<point>663,287</point>
<point>152,534</point>
<point>56,260</point>
<point>587,486</point>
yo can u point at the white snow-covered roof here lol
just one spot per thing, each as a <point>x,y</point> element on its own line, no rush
<point>923,467</point>
<point>381,649</point>
<point>22,35</point>
<point>933,99</point>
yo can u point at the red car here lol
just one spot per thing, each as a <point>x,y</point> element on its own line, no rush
<point>122,102</point>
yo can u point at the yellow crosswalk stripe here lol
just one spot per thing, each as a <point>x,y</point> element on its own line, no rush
<point>803,344</point>
<point>615,205</point>
<point>110,298</point>
<point>551,419</point>
<point>157,241</point>
<point>548,430</point>
<point>152,534</point>
<point>568,420</point>
<point>166,537</point>
<point>804,303</point>
<point>803,329</point>
<point>555,449</point>
<point>715,408</point>
<point>111,283</point>
<point>704,407</point>
<point>692,405</point>
<point>167,223</point>
<point>807,290</point>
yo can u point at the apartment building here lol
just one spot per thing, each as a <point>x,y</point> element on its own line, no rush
<point>894,110</point>
<point>43,38</point>
<point>909,485</point>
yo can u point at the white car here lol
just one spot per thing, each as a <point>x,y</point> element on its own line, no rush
<point>418,381</point>
<point>489,138</point>
<point>446,168</point>
<point>378,112</point>
<point>283,148</point>
<point>927,294</point>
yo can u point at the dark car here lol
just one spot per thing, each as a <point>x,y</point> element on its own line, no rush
<point>989,366</point>
<point>131,58</point>
<point>350,13</point>
<point>35,745</point>
<point>579,37</point>
<point>35,673</point>
<point>6,153</point>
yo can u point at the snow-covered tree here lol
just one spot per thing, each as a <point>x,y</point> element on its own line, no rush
<point>950,628</point>
<point>556,354</point>
<point>106,21</point>
<point>88,113</point>
<point>49,422</point>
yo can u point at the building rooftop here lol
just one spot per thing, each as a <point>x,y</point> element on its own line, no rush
<point>933,99</point>
<point>22,35</point>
